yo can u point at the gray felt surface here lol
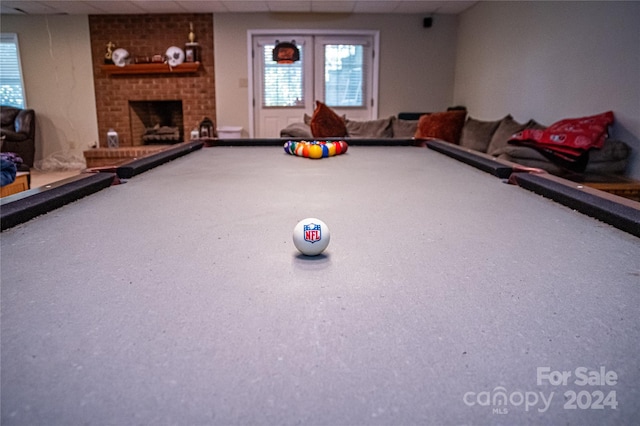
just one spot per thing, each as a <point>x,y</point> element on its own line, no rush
<point>179,298</point>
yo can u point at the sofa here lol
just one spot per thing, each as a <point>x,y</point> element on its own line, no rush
<point>497,138</point>
<point>383,128</point>
<point>18,127</point>
<point>488,137</point>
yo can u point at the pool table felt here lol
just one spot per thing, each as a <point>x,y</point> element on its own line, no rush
<point>178,297</point>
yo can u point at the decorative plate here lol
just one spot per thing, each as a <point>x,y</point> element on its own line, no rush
<point>119,57</point>
<point>175,56</point>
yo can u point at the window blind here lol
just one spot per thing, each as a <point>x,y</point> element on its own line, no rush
<point>344,71</point>
<point>11,88</point>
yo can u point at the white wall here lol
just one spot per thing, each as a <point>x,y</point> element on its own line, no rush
<point>416,63</point>
<point>552,60</point>
<point>58,76</point>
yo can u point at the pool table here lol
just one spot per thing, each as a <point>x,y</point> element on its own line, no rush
<point>447,295</point>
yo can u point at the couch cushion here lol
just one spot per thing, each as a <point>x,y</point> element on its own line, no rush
<point>325,123</point>
<point>500,138</point>
<point>296,130</point>
<point>370,128</point>
<point>404,129</point>
<point>612,158</point>
<point>612,150</point>
<point>8,116</point>
<point>445,126</point>
<point>476,134</point>
<point>538,161</point>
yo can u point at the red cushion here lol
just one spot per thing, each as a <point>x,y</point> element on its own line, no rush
<point>325,123</point>
<point>446,126</point>
<point>571,133</point>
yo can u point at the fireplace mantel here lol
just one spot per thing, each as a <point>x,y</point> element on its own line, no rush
<point>135,69</point>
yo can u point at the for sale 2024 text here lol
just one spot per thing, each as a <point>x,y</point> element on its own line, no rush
<point>585,378</point>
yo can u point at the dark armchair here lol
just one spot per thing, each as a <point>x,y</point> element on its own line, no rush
<point>19,132</point>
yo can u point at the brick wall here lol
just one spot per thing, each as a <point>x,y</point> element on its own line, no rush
<point>146,35</point>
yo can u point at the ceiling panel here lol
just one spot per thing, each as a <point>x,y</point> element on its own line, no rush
<point>114,6</point>
<point>69,7</point>
<point>369,6</point>
<point>38,7</point>
<point>159,6</point>
<point>286,6</point>
<point>328,6</point>
<point>204,6</point>
<point>246,6</point>
<point>454,7</point>
<point>31,7</point>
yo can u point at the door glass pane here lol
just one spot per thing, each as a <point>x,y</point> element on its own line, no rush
<point>343,75</point>
<point>283,83</point>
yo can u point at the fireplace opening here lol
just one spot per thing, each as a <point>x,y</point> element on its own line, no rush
<point>156,122</point>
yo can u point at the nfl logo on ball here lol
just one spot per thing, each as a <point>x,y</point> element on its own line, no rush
<point>311,236</point>
<point>312,232</point>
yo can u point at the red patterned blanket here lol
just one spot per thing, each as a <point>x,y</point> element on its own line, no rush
<point>568,141</point>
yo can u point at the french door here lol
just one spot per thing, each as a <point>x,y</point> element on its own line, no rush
<point>339,70</point>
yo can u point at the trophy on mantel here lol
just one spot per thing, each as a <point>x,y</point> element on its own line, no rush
<point>108,57</point>
<point>192,47</point>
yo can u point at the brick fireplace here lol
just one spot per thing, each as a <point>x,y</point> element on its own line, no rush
<point>156,121</point>
<point>121,97</point>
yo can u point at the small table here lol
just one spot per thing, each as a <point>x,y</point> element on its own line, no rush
<point>20,184</point>
<point>613,184</point>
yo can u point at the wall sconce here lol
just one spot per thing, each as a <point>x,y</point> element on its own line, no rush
<point>286,52</point>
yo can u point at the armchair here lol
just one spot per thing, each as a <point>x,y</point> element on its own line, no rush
<point>18,128</point>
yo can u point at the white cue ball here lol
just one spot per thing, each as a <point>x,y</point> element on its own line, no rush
<point>311,236</point>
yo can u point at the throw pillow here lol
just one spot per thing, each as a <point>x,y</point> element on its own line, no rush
<point>325,123</point>
<point>403,129</point>
<point>306,118</point>
<point>533,124</point>
<point>373,129</point>
<point>445,126</point>
<point>476,134</point>
<point>507,127</point>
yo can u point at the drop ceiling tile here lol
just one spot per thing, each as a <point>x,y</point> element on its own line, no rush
<point>375,6</point>
<point>332,6</point>
<point>30,8</point>
<point>289,6</point>
<point>246,6</point>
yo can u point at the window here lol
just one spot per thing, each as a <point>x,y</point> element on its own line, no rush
<point>11,86</point>
<point>343,75</point>
<point>283,83</point>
